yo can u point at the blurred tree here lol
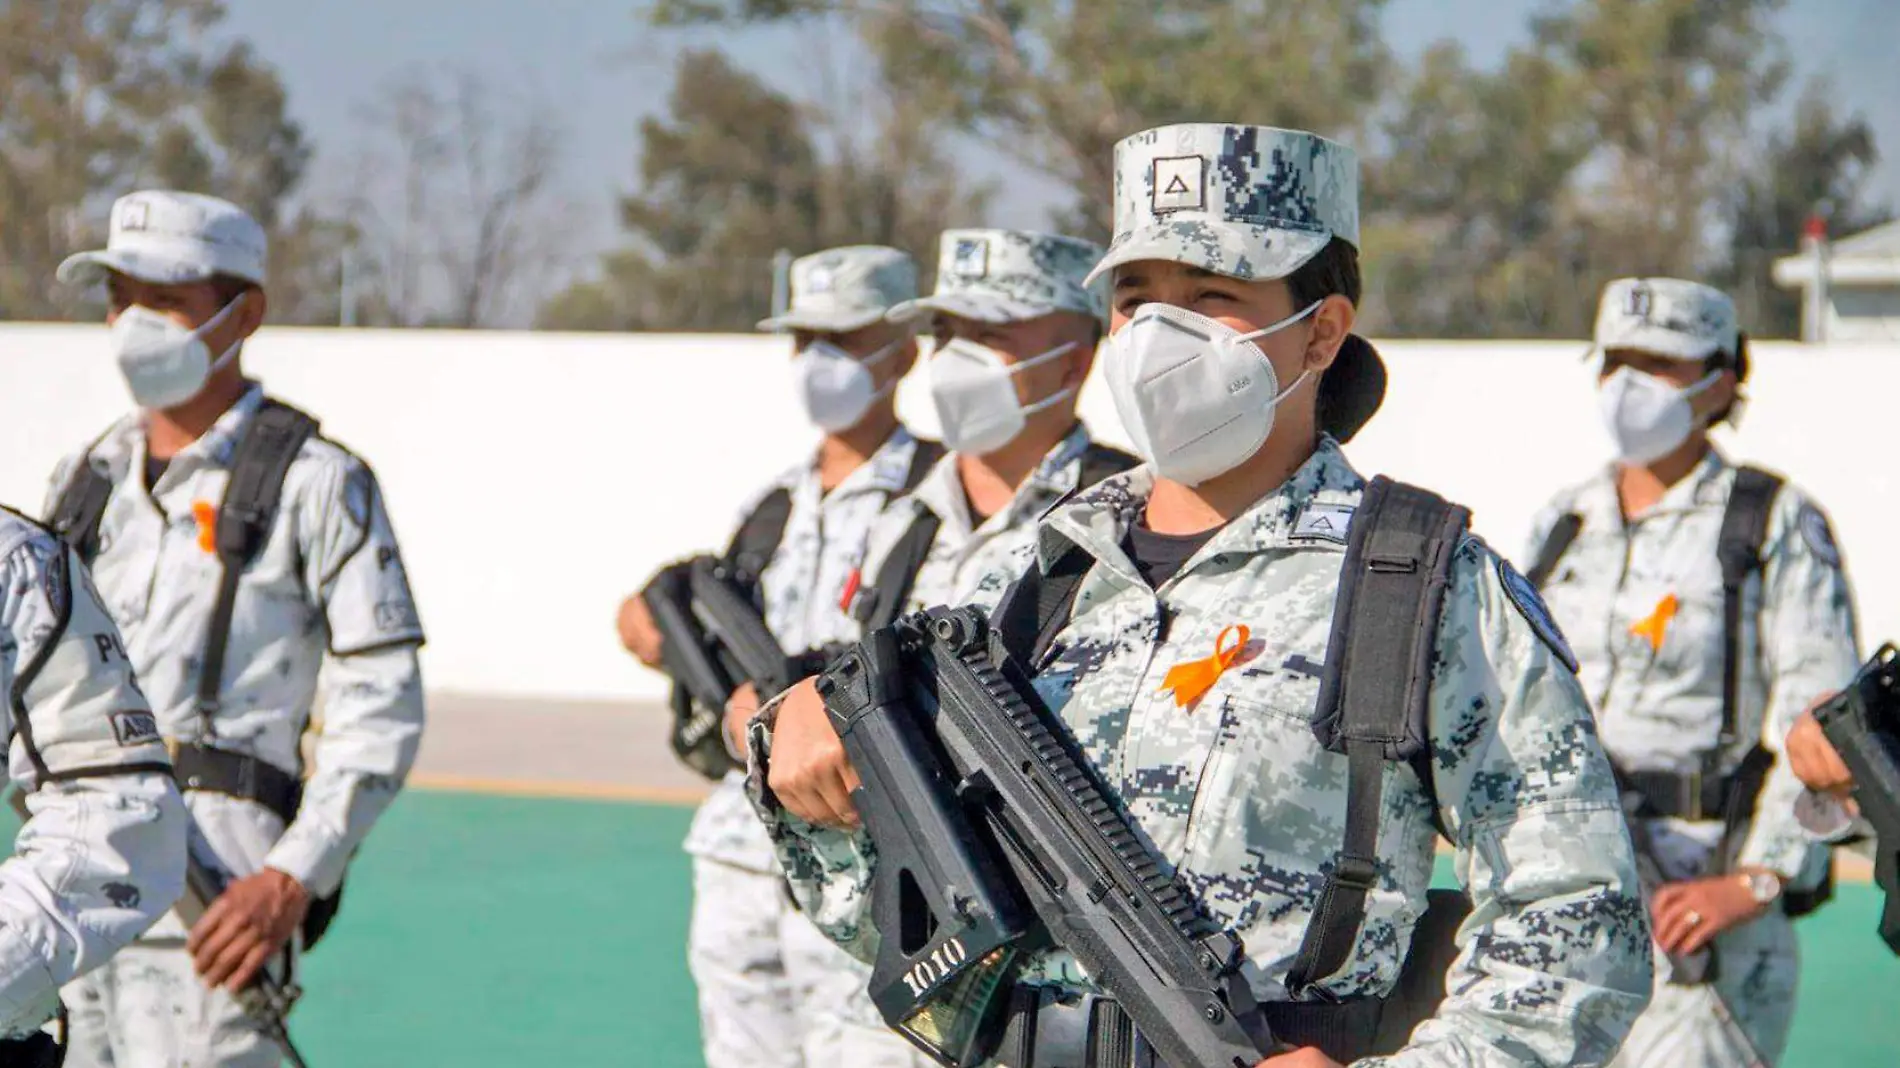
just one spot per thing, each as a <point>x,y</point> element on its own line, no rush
<point>1819,162</point>
<point>736,171</point>
<point>105,96</point>
<point>1053,84</point>
<point>454,212</point>
<point>1607,145</point>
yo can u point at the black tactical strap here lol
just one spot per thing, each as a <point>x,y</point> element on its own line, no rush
<point>1035,609</point>
<point>898,576</point>
<point>81,508</point>
<point>759,534</point>
<point>1374,695</point>
<point>922,459</point>
<point>271,439</point>
<point>1738,547</point>
<point>763,529</point>
<point>1562,535</point>
<point>239,775</point>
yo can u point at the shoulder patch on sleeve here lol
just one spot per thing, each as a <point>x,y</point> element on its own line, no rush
<point>1525,599</point>
<point>1819,536</point>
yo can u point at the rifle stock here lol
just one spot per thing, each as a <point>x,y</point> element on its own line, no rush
<point>995,838</point>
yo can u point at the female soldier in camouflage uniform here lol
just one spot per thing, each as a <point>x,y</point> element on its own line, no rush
<point>1236,280</point>
<point>1630,562</point>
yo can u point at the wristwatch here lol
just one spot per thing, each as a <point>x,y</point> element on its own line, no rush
<point>1763,886</point>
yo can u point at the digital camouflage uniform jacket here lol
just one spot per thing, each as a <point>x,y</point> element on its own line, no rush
<point>1643,602</point>
<point>1236,792</point>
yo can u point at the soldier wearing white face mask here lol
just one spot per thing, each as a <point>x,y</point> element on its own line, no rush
<point>244,557</point>
<point>773,993</point>
<point>1709,607</point>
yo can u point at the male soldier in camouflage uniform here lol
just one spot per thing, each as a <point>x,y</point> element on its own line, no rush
<point>1640,589</point>
<point>1224,234</point>
<point>1016,332</point>
<point>773,993</point>
<point>324,605</point>
<point>103,854</point>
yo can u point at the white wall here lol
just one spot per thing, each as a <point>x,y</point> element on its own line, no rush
<point>535,479</point>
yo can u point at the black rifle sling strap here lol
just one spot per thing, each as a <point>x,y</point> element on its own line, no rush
<point>1556,543</point>
<point>1374,694</point>
<point>898,575</point>
<point>270,441</point>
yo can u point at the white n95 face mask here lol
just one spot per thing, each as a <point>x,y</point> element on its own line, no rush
<point>1647,417</point>
<point>975,395</point>
<point>165,364</point>
<point>1196,395</point>
<point>836,387</point>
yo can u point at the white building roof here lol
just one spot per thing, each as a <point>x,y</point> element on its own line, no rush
<point>1871,257</point>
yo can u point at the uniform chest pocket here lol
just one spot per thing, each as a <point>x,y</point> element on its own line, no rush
<point>1264,753</point>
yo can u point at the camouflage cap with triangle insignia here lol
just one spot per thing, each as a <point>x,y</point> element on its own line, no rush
<point>1250,202</point>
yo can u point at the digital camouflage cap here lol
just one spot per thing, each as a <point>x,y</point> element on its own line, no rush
<point>1249,202</point>
<point>1005,276</point>
<point>1666,316</point>
<point>843,289</point>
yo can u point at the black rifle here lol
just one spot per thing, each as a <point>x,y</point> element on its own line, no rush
<point>995,838</point>
<point>700,682</point>
<point>1862,722</point>
<point>713,639</point>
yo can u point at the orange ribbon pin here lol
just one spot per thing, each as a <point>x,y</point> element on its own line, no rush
<point>1190,680</point>
<point>1657,624</point>
<point>206,514</point>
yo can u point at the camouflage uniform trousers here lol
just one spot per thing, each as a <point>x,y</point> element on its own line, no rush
<point>1741,1020</point>
<point>773,991</point>
<point>146,1007</point>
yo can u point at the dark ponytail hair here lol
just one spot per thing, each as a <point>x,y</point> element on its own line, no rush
<point>1736,361</point>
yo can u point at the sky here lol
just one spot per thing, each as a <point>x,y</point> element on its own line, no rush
<point>601,70</point>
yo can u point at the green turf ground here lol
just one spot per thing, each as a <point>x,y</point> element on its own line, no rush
<point>485,931</point>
